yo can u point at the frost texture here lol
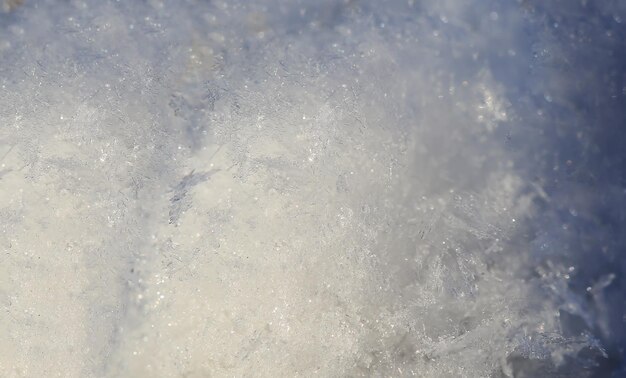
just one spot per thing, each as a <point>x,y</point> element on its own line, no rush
<point>298,188</point>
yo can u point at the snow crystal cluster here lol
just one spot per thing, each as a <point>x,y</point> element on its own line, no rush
<point>294,188</point>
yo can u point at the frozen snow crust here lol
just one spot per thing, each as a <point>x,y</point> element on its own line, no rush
<point>312,188</point>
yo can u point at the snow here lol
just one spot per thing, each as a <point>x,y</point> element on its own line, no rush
<point>294,188</point>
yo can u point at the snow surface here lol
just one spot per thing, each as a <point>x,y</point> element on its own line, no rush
<point>312,188</point>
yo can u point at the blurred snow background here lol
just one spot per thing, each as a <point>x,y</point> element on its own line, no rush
<point>312,188</point>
